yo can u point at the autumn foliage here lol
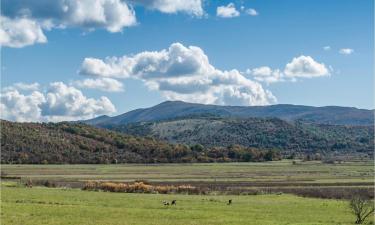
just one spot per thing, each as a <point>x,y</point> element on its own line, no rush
<point>140,187</point>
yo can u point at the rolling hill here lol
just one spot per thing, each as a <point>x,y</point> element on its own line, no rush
<point>171,109</point>
<point>72,143</point>
<point>186,132</point>
<point>262,133</point>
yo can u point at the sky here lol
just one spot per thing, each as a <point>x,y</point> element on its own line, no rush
<point>84,58</point>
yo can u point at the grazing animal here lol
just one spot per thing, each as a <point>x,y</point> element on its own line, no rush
<point>229,202</point>
<point>173,202</point>
<point>29,183</point>
<point>165,202</point>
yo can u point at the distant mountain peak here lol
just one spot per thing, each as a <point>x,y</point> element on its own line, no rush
<point>102,117</point>
<point>336,115</point>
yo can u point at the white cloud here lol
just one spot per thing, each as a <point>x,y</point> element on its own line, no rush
<point>176,61</point>
<point>112,15</point>
<point>103,84</point>
<point>23,86</point>
<point>18,107</point>
<point>227,11</point>
<point>252,12</point>
<point>182,73</point>
<point>192,7</point>
<point>346,51</point>
<point>305,67</point>
<point>59,102</point>
<point>111,67</point>
<point>23,21</point>
<point>299,67</point>
<point>20,32</point>
<point>262,71</point>
<point>327,48</point>
<point>266,74</point>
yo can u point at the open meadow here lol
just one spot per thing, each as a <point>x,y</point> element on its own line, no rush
<point>262,193</point>
<point>276,171</point>
<point>40,205</point>
<point>231,178</point>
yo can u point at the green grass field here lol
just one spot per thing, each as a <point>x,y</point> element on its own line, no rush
<point>41,205</point>
<point>278,171</point>
<point>22,206</point>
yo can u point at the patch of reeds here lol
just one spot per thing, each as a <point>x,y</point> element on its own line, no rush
<point>140,187</point>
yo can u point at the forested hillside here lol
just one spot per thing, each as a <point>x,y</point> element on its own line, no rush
<point>334,115</point>
<point>187,139</point>
<point>80,143</point>
<point>289,137</point>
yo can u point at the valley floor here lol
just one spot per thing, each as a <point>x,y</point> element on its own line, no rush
<point>39,205</point>
<point>285,171</point>
<point>259,192</point>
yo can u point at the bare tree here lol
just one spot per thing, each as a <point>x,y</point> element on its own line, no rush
<point>361,208</point>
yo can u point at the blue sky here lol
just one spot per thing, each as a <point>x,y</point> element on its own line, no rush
<point>281,31</point>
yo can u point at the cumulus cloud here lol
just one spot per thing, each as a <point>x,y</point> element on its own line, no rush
<point>176,61</point>
<point>227,11</point>
<point>23,21</point>
<point>182,73</point>
<point>262,71</point>
<point>112,15</point>
<point>111,67</point>
<point>192,7</point>
<point>299,67</point>
<point>346,51</point>
<point>252,12</point>
<point>266,74</point>
<point>18,107</point>
<point>103,84</point>
<point>327,48</point>
<point>305,67</point>
<point>23,86</point>
<point>59,102</point>
<point>20,32</point>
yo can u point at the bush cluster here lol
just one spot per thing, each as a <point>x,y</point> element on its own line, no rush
<point>140,187</point>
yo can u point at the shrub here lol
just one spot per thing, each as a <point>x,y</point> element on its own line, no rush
<point>140,187</point>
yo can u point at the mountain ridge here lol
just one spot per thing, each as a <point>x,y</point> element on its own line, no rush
<point>336,115</point>
<point>290,137</point>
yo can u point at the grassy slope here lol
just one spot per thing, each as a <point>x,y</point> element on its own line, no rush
<point>72,206</point>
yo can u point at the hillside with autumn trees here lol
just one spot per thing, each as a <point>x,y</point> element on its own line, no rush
<point>73,143</point>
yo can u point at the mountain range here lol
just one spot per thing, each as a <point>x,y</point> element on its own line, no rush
<point>289,128</point>
<point>334,115</point>
<point>176,131</point>
<point>263,133</point>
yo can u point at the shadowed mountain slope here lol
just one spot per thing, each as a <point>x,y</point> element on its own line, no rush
<point>256,132</point>
<point>172,109</point>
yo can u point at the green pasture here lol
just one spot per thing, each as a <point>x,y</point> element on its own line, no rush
<point>38,205</point>
<point>278,171</point>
